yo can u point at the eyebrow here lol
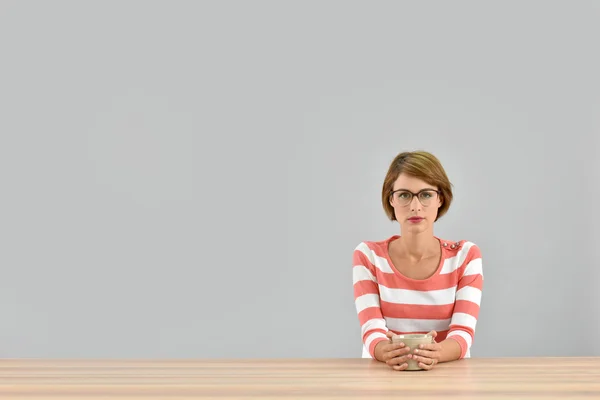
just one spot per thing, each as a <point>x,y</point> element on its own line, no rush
<point>395,190</point>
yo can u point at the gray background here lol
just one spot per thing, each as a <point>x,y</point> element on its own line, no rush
<point>189,179</point>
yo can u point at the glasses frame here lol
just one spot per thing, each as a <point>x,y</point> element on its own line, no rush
<point>412,195</point>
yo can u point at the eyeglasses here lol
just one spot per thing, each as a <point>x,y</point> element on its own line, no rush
<point>404,197</point>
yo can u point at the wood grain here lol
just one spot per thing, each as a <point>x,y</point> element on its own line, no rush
<point>477,378</point>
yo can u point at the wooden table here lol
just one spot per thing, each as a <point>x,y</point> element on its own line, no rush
<point>476,378</point>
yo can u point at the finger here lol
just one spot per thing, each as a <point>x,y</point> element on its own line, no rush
<point>399,352</point>
<point>400,367</point>
<point>399,359</point>
<point>426,353</point>
<point>426,366</point>
<point>388,348</point>
<point>400,348</point>
<point>425,361</point>
<point>389,334</point>
<point>430,347</point>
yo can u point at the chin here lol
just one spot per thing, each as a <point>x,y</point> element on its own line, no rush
<point>415,228</point>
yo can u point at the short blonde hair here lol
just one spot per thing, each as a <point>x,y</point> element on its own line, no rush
<point>422,165</point>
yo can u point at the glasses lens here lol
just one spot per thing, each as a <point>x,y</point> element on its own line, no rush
<point>403,198</point>
<point>426,196</point>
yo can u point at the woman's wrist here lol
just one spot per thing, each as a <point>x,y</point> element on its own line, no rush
<point>451,350</point>
<point>377,350</point>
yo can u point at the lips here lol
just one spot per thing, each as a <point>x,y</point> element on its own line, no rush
<point>415,219</point>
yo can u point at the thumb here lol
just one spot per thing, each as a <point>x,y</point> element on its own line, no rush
<point>432,333</point>
<point>389,334</point>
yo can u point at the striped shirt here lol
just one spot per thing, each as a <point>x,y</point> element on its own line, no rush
<point>447,302</point>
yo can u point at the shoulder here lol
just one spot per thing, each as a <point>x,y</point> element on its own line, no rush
<point>462,251</point>
<point>462,257</point>
<point>371,249</point>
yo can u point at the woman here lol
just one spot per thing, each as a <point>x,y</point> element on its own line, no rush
<point>416,282</point>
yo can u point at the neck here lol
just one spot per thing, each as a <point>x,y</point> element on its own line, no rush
<point>418,246</point>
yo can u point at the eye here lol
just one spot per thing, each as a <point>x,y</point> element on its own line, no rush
<point>426,195</point>
<point>403,195</point>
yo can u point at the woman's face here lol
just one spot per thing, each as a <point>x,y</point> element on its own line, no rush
<point>415,203</point>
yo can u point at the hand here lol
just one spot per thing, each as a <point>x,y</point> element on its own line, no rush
<point>393,354</point>
<point>428,355</point>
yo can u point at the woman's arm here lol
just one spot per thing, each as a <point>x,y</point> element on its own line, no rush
<point>458,341</point>
<point>450,350</point>
<point>366,299</point>
<point>466,307</point>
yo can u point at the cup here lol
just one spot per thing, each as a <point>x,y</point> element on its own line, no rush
<point>412,341</point>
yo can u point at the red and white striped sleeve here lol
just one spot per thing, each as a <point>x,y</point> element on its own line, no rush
<point>366,298</point>
<point>467,301</point>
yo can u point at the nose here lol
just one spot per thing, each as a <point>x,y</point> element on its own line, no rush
<point>415,204</point>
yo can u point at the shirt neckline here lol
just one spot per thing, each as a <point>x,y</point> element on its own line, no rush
<point>400,274</point>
